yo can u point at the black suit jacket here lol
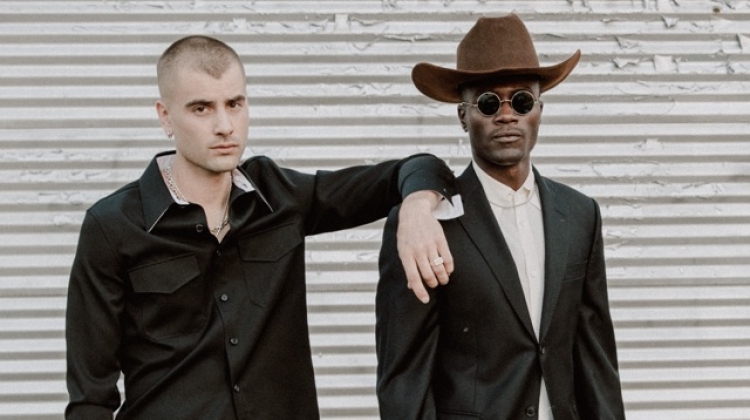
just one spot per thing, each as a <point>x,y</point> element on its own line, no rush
<point>472,353</point>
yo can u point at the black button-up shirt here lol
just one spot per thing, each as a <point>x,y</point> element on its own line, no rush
<point>203,329</point>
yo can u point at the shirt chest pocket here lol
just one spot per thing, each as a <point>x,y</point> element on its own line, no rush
<point>269,261</point>
<point>169,299</point>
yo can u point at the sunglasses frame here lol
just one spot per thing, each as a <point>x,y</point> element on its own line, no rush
<point>502,101</point>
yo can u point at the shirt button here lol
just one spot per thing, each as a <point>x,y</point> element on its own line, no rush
<point>199,228</point>
<point>542,349</point>
<point>224,297</point>
<point>234,341</point>
<point>236,388</point>
<point>530,411</point>
<point>218,253</point>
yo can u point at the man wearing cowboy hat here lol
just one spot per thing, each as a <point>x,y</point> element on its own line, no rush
<point>523,330</point>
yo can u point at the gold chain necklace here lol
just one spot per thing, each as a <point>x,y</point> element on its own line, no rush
<point>172,185</point>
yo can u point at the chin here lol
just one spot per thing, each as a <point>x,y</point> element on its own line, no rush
<point>225,164</point>
<point>507,161</point>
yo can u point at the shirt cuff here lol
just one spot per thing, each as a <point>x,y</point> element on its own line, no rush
<point>449,209</point>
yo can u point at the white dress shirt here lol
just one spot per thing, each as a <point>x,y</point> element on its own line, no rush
<point>519,215</point>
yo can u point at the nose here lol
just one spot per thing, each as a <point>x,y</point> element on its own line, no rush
<point>506,113</point>
<point>224,126</point>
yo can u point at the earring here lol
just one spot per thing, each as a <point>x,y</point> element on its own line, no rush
<point>170,134</point>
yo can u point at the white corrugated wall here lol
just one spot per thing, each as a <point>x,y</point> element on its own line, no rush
<point>654,123</point>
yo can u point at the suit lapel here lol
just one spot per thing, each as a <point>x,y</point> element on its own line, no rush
<point>480,224</point>
<point>555,248</point>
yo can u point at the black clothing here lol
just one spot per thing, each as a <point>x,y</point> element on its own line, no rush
<point>472,352</point>
<point>204,329</point>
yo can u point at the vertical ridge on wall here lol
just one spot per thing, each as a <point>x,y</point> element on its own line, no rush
<point>653,123</point>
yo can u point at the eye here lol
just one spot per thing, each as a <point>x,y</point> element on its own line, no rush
<point>235,104</point>
<point>200,109</point>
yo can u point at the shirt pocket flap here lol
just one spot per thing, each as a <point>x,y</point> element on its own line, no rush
<point>270,245</point>
<point>165,276</point>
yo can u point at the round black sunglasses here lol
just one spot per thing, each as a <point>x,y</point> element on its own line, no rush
<point>489,104</point>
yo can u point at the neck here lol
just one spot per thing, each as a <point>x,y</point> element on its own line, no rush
<point>200,186</point>
<point>513,176</point>
<point>208,189</point>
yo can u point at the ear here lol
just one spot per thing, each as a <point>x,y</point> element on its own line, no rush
<point>164,118</point>
<point>462,117</point>
<point>541,108</point>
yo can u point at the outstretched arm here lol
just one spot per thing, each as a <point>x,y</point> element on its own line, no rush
<point>357,195</point>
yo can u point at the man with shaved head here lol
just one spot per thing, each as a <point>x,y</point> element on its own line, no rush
<point>190,281</point>
<point>201,53</point>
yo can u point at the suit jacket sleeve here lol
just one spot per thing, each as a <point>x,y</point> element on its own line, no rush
<point>361,194</point>
<point>598,391</point>
<point>407,335</point>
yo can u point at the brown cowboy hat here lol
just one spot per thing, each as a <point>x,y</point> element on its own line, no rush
<point>493,48</point>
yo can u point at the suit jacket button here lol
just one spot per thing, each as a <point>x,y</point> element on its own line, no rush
<point>530,411</point>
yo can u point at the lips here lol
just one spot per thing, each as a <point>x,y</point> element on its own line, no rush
<point>506,136</point>
<point>225,147</point>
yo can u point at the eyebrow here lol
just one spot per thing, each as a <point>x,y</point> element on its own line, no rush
<point>204,102</point>
<point>198,102</point>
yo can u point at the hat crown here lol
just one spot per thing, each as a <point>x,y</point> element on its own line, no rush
<point>496,43</point>
<point>494,49</point>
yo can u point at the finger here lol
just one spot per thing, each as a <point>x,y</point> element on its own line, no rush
<point>417,287</point>
<point>441,244</point>
<point>440,273</point>
<point>438,267</point>
<point>448,263</point>
<point>414,280</point>
<point>428,272</point>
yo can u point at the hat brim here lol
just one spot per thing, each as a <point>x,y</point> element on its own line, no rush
<point>442,84</point>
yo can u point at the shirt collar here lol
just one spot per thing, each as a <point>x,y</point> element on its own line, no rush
<point>157,198</point>
<point>502,195</point>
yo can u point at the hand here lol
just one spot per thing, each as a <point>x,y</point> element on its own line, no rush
<point>422,246</point>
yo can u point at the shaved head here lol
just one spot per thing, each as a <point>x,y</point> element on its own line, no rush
<point>197,53</point>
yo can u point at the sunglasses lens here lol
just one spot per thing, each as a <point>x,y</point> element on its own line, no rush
<point>522,102</point>
<point>488,104</point>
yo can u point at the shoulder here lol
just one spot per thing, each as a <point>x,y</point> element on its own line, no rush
<point>567,196</point>
<point>262,169</point>
<point>280,186</point>
<point>107,218</point>
<point>258,161</point>
<point>118,201</point>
